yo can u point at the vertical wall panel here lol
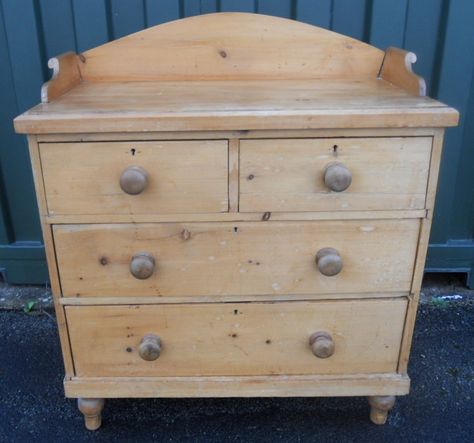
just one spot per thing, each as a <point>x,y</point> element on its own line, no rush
<point>208,6</point>
<point>349,17</point>
<point>238,5</point>
<point>24,80</point>
<point>281,8</point>
<point>388,23</point>
<point>422,36</point>
<point>317,12</point>
<point>58,27</point>
<point>161,11</point>
<point>90,23</point>
<point>454,87</point>
<point>8,109</point>
<point>26,52</point>
<point>192,7</point>
<point>128,16</point>
<point>463,209</point>
<point>21,254</point>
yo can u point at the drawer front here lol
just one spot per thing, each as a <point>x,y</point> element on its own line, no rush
<point>289,174</point>
<point>236,339</point>
<point>247,258</point>
<point>97,178</point>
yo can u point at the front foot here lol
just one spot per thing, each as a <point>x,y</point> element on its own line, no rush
<point>92,409</point>
<point>379,407</point>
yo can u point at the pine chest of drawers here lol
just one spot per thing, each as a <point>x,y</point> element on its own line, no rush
<point>235,205</point>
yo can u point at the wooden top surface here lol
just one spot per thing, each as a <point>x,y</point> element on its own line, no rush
<point>233,71</point>
<point>233,105</point>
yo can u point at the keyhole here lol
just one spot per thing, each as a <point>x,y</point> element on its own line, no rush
<point>133,150</point>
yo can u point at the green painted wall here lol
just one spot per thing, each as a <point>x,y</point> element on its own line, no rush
<point>440,32</point>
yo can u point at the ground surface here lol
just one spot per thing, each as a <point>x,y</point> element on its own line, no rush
<point>440,407</point>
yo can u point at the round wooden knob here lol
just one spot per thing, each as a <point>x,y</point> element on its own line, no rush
<point>150,347</point>
<point>337,177</point>
<point>142,265</point>
<point>133,180</point>
<point>322,344</point>
<point>329,261</point>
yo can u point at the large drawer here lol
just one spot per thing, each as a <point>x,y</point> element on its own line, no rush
<point>236,339</point>
<point>290,174</point>
<point>95,178</point>
<point>253,258</point>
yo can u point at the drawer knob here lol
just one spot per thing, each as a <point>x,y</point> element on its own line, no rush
<point>150,347</point>
<point>142,265</point>
<point>329,261</point>
<point>322,344</point>
<point>133,180</point>
<point>337,177</point>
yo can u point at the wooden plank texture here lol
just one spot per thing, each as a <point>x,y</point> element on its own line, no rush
<point>244,386</point>
<point>234,105</point>
<point>236,258</point>
<point>51,258</point>
<point>249,46</point>
<point>183,177</point>
<point>397,69</point>
<point>288,174</point>
<point>237,339</point>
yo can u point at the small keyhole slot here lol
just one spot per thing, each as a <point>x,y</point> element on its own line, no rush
<point>132,151</point>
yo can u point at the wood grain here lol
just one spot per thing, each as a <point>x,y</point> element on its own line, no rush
<point>243,386</point>
<point>231,46</point>
<point>248,258</point>
<point>288,174</point>
<point>50,256</point>
<point>157,299</point>
<point>183,177</point>
<point>241,134</point>
<point>234,105</point>
<point>237,339</point>
<point>234,166</point>
<point>66,75</point>
<point>423,242</point>
<point>397,69</point>
<point>233,216</point>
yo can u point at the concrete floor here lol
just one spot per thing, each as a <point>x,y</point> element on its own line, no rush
<point>440,407</point>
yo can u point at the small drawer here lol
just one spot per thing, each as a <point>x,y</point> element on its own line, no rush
<point>339,337</point>
<point>334,174</point>
<point>153,177</point>
<point>246,258</point>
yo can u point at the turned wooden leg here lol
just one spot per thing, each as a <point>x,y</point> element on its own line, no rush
<point>92,409</point>
<point>379,407</point>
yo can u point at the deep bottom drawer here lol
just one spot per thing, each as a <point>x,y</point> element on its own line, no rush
<point>237,338</point>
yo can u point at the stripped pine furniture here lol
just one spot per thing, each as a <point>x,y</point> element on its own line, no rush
<point>235,205</point>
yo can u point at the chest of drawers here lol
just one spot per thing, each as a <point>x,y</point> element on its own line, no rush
<point>235,205</point>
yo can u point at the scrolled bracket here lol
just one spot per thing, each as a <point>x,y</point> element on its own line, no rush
<point>66,75</point>
<point>397,69</point>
